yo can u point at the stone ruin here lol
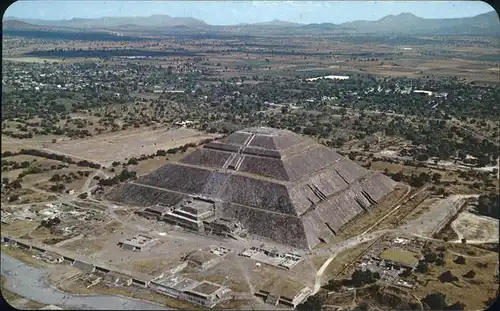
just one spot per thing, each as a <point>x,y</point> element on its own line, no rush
<point>278,185</point>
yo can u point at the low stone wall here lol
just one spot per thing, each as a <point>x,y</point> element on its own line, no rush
<point>449,217</point>
<point>85,267</point>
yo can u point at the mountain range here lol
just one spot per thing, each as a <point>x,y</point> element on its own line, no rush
<point>113,22</point>
<point>404,23</point>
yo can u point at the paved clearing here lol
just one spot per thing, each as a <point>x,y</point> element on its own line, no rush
<point>30,282</point>
<point>437,215</point>
<point>474,227</point>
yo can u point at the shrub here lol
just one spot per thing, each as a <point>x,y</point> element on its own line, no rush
<point>435,301</point>
<point>55,178</point>
<point>422,267</point>
<point>161,153</point>
<point>361,277</point>
<point>313,303</point>
<point>132,161</point>
<point>470,274</point>
<point>13,198</point>
<point>447,277</point>
<point>460,260</point>
<point>57,187</point>
<point>430,257</point>
<point>16,184</point>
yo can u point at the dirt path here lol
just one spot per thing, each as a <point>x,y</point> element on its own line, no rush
<point>319,274</point>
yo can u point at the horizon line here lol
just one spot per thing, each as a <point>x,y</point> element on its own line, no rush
<point>280,20</point>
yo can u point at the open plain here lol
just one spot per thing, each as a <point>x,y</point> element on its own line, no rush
<point>259,166</point>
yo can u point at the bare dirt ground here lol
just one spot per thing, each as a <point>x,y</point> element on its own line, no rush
<point>85,246</point>
<point>476,228</point>
<point>232,275</point>
<point>122,145</point>
<point>8,145</point>
<point>414,67</point>
<point>149,165</point>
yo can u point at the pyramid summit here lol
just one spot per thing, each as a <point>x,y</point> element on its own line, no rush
<point>274,183</point>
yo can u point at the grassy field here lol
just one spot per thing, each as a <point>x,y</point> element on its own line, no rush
<point>366,220</point>
<point>25,256</point>
<point>411,66</point>
<point>40,60</point>
<point>36,187</point>
<point>479,289</point>
<point>342,259</point>
<point>19,227</point>
<point>400,256</point>
<point>408,170</point>
<point>34,160</point>
<point>32,60</point>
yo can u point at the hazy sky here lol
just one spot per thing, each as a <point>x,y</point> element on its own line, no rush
<point>234,12</point>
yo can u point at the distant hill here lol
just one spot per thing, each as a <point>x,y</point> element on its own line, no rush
<point>409,23</point>
<point>321,26</point>
<point>17,24</point>
<point>404,23</point>
<point>276,23</point>
<point>114,22</point>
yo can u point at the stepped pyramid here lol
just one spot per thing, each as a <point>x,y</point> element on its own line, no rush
<point>281,186</point>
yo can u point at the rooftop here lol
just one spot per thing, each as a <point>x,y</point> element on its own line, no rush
<point>283,287</point>
<point>138,240</point>
<point>201,256</point>
<point>196,207</point>
<point>177,282</point>
<point>161,209</point>
<point>206,288</point>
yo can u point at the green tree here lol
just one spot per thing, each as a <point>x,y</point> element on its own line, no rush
<point>436,178</point>
<point>13,198</point>
<point>313,303</point>
<point>132,161</point>
<point>161,153</point>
